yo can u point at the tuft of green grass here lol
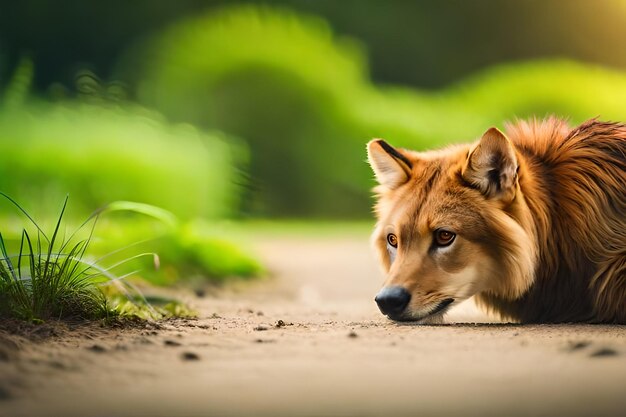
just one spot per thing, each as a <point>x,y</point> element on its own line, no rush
<point>50,277</point>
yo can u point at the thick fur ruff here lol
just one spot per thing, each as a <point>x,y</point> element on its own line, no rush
<point>574,184</point>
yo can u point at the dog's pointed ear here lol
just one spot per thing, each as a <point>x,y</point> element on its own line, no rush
<point>390,166</point>
<point>492,166</point>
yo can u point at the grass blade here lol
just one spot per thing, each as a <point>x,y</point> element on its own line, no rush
<point>52,241</point>
<point>26,214</point>
<point>7,258</point>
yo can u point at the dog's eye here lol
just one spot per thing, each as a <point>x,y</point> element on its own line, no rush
<point>444,237</point>
<point>392,240</point>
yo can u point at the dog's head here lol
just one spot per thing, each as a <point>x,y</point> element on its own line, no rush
<point>450,225</point>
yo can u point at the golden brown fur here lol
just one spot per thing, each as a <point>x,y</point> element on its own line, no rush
<point>539,218</point>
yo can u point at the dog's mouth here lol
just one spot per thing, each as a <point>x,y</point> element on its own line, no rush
<point>438,309</point>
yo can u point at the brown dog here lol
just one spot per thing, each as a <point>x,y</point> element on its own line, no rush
<point>532,222</point>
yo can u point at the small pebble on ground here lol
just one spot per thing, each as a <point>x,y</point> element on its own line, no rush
<point>190,356</point>
<point>97,348</point>
<point>265,341</point>
<point>604,352</point>
<point>573,346</point>
<point>4,394</point>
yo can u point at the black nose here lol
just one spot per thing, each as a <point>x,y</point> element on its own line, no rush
<point>392,300</point>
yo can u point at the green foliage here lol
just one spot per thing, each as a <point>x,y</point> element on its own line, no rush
<point>99,151</point>
<point>195,249</point>
<point>302,100</point>
<point>19,85</point>
<point>130,233</point>
<point>160,307</point>
<point>503,93</point>
<point>49,277</point>
<point>204,251</point>
<point>53,278</point>
<point>279,95</point>
<point>100,154</point>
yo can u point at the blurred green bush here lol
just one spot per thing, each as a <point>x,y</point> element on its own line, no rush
<point>273,80</point>
<point>99,154</point>
<point>191,251</point>
<point>302,100</point>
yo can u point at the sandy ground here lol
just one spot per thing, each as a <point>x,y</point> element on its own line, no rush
<point>309,341</point>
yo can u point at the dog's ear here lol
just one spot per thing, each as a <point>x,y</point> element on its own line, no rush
<point>390,166</point>
<point>492,166</point>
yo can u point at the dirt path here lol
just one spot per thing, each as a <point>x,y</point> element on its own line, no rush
<point>309,341</point>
